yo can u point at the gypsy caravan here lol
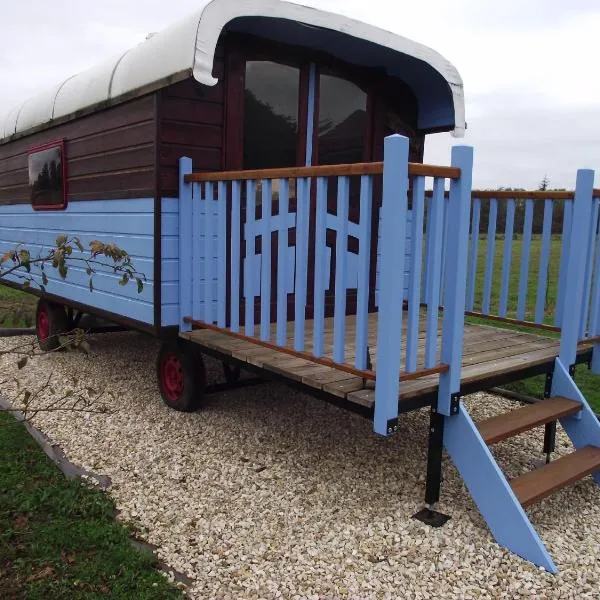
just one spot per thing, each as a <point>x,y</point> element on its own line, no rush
<point>262,163</point>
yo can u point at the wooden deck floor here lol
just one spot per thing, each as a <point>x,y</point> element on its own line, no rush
<point>489,352</point>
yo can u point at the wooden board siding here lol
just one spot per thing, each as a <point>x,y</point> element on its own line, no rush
<point>110,155</point>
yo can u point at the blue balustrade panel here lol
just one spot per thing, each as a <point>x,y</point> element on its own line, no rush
<point>127,223</point>
<point>525,260</point>
<point>488,277</point>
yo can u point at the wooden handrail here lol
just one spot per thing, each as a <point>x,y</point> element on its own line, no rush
<point>521,194</point>
<point>370,168</point>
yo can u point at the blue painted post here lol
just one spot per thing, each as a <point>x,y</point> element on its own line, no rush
<point>589,260</point>
<point>564,259</point>
<point>472,277</point>
<point>198,221</point>
<point>364,265</point>
<point>507,258</point>
<point>489,263</point>
<point>392,242</point>
<point>265,269</point>
<point>428,242</point>
<point>185,244</point>
<point>341,251</point>
<point>320,267</point>
<point>222,255</point>
<point>209,253</point>
<point>282,260</point>
<point>235,256</point>
<point>525,257</point>
<point>434,270</point>
<point>250,241</point>
<point>302,222</point>
<point>456,279</point>
<point>542,282</point>
<point>414,286</point>
<point>574,280</point>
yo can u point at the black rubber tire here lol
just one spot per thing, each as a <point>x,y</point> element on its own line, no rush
<point>231,373</point>
<point>181,376</point>
<point>56,324</point>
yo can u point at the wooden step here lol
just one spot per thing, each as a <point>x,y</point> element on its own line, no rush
<point>536,485</point>
<point>523,419</point>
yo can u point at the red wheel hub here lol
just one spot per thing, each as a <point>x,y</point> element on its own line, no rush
<point>43,325</point>
<point>171,377</point>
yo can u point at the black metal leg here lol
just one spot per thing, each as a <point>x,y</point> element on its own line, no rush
<point>549,440</point>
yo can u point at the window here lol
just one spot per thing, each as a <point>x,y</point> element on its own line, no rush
<point>47,178</point>
<point>271,115</point>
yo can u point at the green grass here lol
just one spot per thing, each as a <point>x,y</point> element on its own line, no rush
<point>59,539</point>
<point>587,382</point>
<point>17,309</point>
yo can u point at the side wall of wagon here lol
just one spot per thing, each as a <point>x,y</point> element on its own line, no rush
<point>110,157</point>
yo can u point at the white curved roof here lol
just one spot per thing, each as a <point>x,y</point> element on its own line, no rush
<point>188,48</point>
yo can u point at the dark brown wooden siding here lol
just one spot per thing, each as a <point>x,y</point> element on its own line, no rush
<point>110,154</point>
<point>191,123</point>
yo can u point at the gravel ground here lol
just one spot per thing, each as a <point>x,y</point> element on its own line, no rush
<point>268,493</point>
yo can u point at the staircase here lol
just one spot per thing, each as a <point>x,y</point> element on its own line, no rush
<point>502,501</point>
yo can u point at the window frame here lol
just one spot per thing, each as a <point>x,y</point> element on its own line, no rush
<point>61,144</point>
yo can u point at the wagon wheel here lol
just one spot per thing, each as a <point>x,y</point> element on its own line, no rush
<point>181,376</point>
<point>231,373</point>
<point>50,323</point>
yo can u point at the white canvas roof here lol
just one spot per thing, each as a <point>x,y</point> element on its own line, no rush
<point>187,48</point>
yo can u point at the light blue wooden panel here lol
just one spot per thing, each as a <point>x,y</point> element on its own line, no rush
<point>363,267</point>
<point>414,293</point>
<point>302,229</point>
<point>235,255</point>
<point>589,261</point>
<point>282,263</point>
<point>339,312</point>
<point>542,280</point>
<point>489,263</point>
<point>525,258</point>
<point>434,270</point>
<point>507,256</point>
<point>595,296</point>
<point>472,274</point>
<point>222,255</point>
<point>198,257</point>
<point>250,241</point>
<point>265,273</point>
<point>128,223</point>
<point>564,259</point>
<point>321,263</point>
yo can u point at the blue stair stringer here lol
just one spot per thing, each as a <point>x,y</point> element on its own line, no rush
<point>487,484</point>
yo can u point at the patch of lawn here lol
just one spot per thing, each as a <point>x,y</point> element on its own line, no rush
<point>17,309</point>
<point>59,539</point>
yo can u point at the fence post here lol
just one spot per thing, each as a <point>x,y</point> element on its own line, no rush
<point>185,244</point>
<point>389,322</point>
<point>456,278</point>
<point>574,276</point>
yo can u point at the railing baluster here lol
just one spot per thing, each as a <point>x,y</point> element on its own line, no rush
<point>429,239</point>
<point>472,278</point>
<point>595,300</point>
<point>491,251</point>
<point>564,259</point>
<point>185,244</point>
<point>235,256</point>
<point>265,270</point>
<point>341,251</point>
<point>414,289</point>
<point>250,242</point>
<point>364,260</point>
<point>209,252</point>
<point>320,268</point>
<point>507,258</point>
<point>282,260</point>
<point>525,257</point>
<point>542,281</point>
<point>198,224</point>
<point>434,271</point>
<point>222,256</point>
<point>302,223</point>
<point>588,270</point>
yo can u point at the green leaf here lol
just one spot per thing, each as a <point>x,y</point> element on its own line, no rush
<point>91,286</point>
<point>61,240</point>
<point>140,285</point>
<point>124,280</point>
<point>44,279</point>
<point>78,243</point>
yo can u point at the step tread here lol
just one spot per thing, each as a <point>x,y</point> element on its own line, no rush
<point>540,483</point>
<point>522,419</point>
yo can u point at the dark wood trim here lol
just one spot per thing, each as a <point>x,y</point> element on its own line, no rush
<point>98,312</point>
<point>157,216</point>
<point>525,195</point>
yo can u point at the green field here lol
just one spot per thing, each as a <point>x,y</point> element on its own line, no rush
<point>17,309</point>
<point>589,383</point>
<point>59,539</point>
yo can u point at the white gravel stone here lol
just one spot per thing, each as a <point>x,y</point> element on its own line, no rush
<point>269,493</point>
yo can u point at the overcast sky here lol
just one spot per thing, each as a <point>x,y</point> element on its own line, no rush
<point>529,67</point>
